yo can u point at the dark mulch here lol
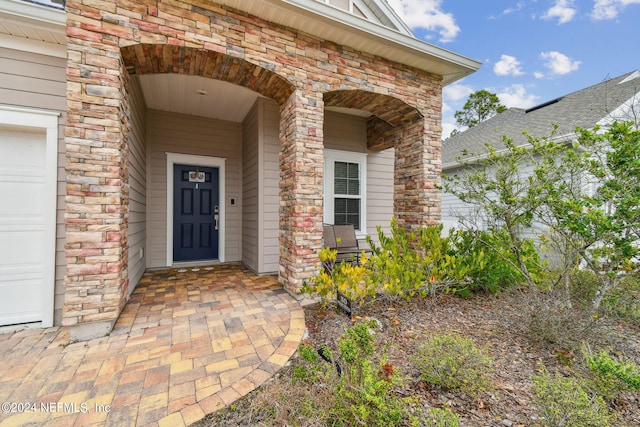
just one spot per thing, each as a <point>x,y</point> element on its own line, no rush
<point>499,323</point>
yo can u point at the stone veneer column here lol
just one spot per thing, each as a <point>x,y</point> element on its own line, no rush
<point>301,169</point>
<point>417,176</point>
<point>97,184</point>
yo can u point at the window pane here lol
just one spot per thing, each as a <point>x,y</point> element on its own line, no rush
<point>346,178</point>
<point>341,186</point>
<point>341,169</point>
<point>353,188</point>
<point>353,170</point>
<point>347,211</point>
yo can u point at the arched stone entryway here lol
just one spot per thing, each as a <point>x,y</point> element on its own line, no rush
<point>396,123</point>
<point>151,58</point>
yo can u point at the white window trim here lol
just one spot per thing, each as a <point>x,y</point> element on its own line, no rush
<point>330,157</point>
<point>47,120</point>
<point>205,161</point>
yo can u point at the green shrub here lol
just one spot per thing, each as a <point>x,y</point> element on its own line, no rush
<point>406,264</point>
<point>352,280</point>
<point>499,270</point>
<point>442,417</point>
<point>403,265</point>
<point>610,376</point>
<point>362,391</point>
<point>567,402</point>
<point>453,362</point>
<point>624,300</point>
<point>584,285</point>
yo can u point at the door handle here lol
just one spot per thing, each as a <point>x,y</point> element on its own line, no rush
<point>216,218</point>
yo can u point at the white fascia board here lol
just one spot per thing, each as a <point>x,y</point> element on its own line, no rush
<point>458,65</point>
<point>33,46</point>
<point>48,18</point>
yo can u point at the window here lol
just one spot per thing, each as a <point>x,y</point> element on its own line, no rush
<point>345,189</point>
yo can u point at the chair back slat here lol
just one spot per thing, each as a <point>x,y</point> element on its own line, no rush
<point>329,237</point>
<point>345,236</point>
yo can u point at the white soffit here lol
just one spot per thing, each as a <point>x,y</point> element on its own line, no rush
<point>32,21</point>
<point>197,96</point>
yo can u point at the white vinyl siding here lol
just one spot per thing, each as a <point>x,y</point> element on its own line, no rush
<point>22,76</point>
<point>261,174</point>
<point>379,190</point>
<point>250,190</point>
<point>136,143</point>
<point>271,185</point>
<point>182,134</point>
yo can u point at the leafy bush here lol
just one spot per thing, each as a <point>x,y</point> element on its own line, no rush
<point>453,362</point>
<point>584,285</point>
<point>403,265</point>
<point>351,279</point>
<point>361,391</point>
<point>610,376</point>
<point>499,270</point>
<point>406,264</point>
<point>624,300</point>
<point>442,417</point>
<point>567,402</point>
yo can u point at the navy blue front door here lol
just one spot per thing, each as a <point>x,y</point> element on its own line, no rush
<point>196,213</point>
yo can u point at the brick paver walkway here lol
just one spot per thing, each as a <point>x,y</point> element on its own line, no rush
<point>188,342</point>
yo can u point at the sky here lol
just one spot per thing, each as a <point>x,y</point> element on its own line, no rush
<point>532,51</point>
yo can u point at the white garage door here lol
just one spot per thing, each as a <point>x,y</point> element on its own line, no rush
<point>26,245</point>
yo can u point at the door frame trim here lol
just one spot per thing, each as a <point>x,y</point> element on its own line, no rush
<point>204,161</point>
<point>48,120</point>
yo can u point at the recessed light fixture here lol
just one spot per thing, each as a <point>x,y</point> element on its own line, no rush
<point>201,92</point>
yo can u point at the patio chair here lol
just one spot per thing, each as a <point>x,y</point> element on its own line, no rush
<point>343,239</point>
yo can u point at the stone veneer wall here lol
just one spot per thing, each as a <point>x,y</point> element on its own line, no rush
<point>408,100</point>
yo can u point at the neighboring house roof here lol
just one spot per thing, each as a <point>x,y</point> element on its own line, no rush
<point>586,108</point>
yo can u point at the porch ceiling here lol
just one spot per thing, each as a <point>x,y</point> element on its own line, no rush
<point>204,97</point>
<point>197,96</point>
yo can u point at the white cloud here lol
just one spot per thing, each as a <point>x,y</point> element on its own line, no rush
<point>447,128</point>
<point>453,98</point>
<point>559,63</point>
<point>516,96</point>
<point>456,92</point>
<point>507,66</point>
<point>609,9</point>
<point>518,7</point>
<point>538,75</point>
<point>563,10</point>
<point>428,15</point>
